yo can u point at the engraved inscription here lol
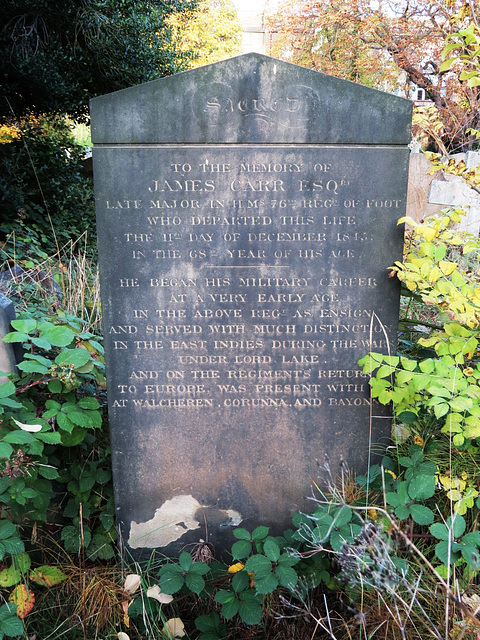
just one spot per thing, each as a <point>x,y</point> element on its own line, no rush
<point>255,274</point>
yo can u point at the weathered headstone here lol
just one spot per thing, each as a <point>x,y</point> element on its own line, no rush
<point>246,218</point>
<point>8,359</point>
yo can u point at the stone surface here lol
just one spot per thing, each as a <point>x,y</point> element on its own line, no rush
<point>246,218</point>
<point>8,361</point>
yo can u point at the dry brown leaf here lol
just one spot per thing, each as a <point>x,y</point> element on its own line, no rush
<point>132,582</point>
<point>155,592</point>
<point>174,628</point>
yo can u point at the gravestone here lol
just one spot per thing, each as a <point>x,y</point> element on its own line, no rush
<point>247,215</point>
<point>8,358</point>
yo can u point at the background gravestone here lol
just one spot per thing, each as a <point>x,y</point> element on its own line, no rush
<point>8,359</point>
<point>246,219</point>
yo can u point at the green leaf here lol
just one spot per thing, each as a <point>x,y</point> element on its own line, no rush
<point>195,582</point>
<point>10,623</point>
<point>88,403</point>
<point>421,487</point>
<point>46,471</point>
<point>240,581</point>
<point>25,325</point>
<point>260,533</point>
<point>444,552</point>
<point>250,612</point>
<point>271,550</point>
<point>230,608</point>
<point>7,389</point>
<point>458,524</point>
<point>55,386</point>
<point>421,515</point>
<point>15,337</point>
<point>19,437</point>
<point>7,529</point>
<point>440,531</point>
<point>42,343</point>
<point>6,450</point>
<point>223,596</point>
<point>240,549</point>
<point>64,423</point>
<point>266,584</point>
<point>170,580</point>
<point>259,565</point>
<point>461,403</point>
<point>75,357</point>
<point>200,568</point>
<point>287,576</point>
<point>47,576</point>
<point>185,560</point>
<point>57,335</point>
<point>49,437</point>
<point>32,367</point>
<point>342,517</point>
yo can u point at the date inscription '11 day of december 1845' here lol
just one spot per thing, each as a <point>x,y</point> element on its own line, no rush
<point>247,213</point>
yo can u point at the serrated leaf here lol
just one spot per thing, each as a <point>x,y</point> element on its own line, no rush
<point>32,367</point>
<point>250,612</point>
<point>240,581</point>
<point>230,608</point>
<point>240,549</point>
<point>6,450</point>
<point>271,550</point>
<point>185,560</point>
<point>259,565</point>
<point>57,335</point>
<point>25,325</point>
<point>47,576</point>
<point>421,515</point>
<point>89,403</point>
<point>259,533</point>
<point>10,576</point>
<point>422,487</point>
<point>171,581</point>
<point>47,471</point>
<point>195,582</point>
<point>7,389</point>
<point>10,623</point>
<point>75,357</point>
<point>287,576</point>
<point>23,599</point>
<point>266,584</point>
<point>19,437</point>
<point>7,529</point>
<point>55,386</point>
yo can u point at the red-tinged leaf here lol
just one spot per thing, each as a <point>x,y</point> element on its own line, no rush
<point>23,598</point>
<point>47,576</point>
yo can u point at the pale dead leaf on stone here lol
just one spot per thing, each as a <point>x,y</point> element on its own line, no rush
<point>174,628</point>
<point>122,636</point>
<point>155,592</point>
<point>132,582</point>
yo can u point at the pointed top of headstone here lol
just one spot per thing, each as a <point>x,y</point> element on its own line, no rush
<point>251,98</point>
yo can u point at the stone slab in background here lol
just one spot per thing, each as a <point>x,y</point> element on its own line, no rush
<point>247,213</point>
<point>8,362</point>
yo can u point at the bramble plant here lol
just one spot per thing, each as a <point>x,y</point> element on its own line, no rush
<point>48,411</point>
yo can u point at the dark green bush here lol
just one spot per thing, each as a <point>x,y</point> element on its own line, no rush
<point>44,186</point>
